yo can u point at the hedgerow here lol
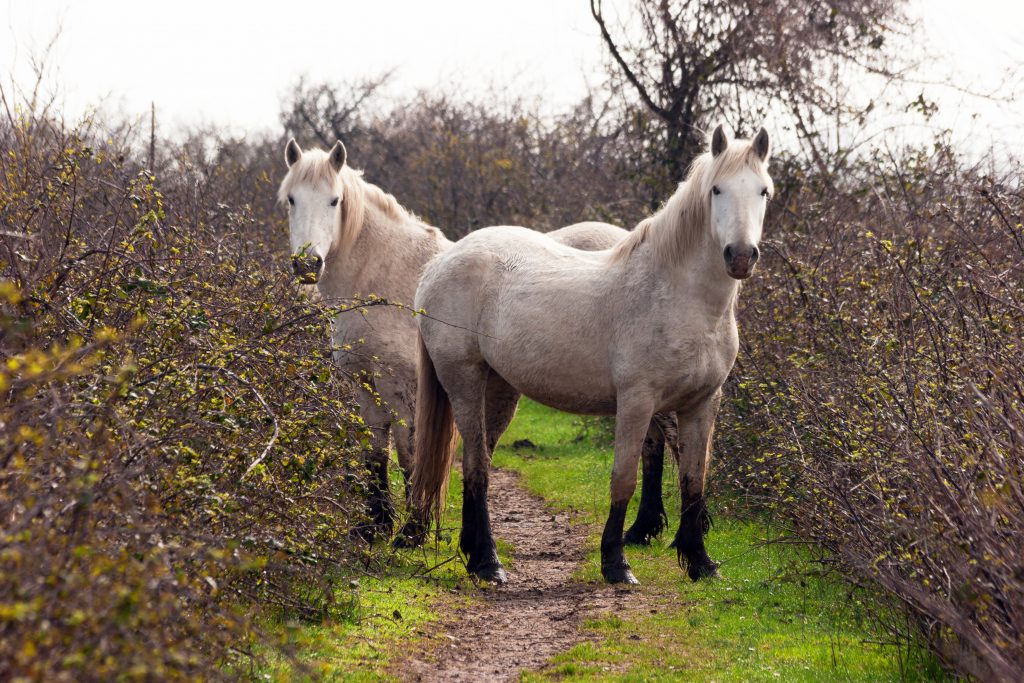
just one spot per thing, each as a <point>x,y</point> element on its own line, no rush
<point>176,448</point>
<point>877,402</point>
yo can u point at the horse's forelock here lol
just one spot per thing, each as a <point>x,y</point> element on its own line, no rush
<point>709,170</point>
<point>312,168</point>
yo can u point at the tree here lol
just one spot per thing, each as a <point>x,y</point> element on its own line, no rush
<point>322,113</point>
<point>690,60</point>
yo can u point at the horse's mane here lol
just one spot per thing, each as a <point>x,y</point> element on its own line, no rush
<point>314,167</point>
<point>682,221</point>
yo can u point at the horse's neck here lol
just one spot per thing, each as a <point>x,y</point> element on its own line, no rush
<point>698,280</point>
<point>705,281</point>
<point>388,254</point>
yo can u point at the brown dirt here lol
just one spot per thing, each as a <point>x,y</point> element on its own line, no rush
<point>539,612</point>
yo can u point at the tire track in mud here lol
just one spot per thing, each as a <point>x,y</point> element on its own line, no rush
<point>537,615</point>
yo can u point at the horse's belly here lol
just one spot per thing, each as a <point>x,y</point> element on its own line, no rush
<point>558,374</point>
<point>568,395</point>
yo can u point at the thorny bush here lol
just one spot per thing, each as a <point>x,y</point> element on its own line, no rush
<point>877,401</point>
<point>175,445</point>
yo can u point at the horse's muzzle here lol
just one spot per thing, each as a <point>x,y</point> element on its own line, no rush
<point>307,268</point>
<point>740,260</point>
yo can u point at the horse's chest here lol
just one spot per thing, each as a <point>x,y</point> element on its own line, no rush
<point>699,366</point>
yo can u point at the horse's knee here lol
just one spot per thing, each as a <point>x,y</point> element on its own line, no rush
<point>623,484</point>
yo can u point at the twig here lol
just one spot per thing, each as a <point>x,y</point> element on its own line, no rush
<point>266,407</point>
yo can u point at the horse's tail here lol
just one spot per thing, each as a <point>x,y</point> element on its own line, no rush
<point>435,438</point>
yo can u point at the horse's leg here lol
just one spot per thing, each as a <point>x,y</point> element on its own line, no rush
<point>404,434</point>
<point>414,532</point>
<point>632,418</point>
<point>381,509</point>
<point>695,432</point>
<point>467,392</point>
<point>650,517</point>
<point>502,400</point>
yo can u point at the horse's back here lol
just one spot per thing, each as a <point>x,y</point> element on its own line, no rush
<point>589,235</point>
<point>512,297</point>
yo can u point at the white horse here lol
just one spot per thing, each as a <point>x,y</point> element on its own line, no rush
<point>352,240</point>
<point>646,326</point>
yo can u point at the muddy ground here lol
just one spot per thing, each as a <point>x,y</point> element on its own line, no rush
<point>537,615</point>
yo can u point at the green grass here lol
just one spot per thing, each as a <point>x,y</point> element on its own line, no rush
<point>769,619</point>
<point>380,612</point>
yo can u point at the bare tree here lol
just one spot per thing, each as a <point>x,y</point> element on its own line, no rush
<point>689,60</point>
<point>326,112</point>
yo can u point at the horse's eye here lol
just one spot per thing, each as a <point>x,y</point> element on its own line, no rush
<point>715,190</point>
<point>764,193</point>
<point>334,202</point>
<point>291,200</point>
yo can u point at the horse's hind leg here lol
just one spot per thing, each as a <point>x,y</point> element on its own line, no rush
<point>466,389</point>
<point>650,517</point>
<point>632,420</point>
<point>695,431</point>
<point>501,403</point>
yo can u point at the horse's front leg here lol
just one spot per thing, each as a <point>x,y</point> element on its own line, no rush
<point>414,532</point>
<point>651,517</point>
<point>632,419</point>
<point>695,432</point>
<point>381,509</point>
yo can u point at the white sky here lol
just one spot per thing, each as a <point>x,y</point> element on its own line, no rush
<point>230,63</point>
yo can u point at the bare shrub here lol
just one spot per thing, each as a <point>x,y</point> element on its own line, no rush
<point>464,164</point>
<point>174,442</point>
<point>877,401</point>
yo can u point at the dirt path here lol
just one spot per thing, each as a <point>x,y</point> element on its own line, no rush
<point>537,615</point>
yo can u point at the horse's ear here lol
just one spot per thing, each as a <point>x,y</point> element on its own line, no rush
<point>719,141</point>
<point>762,145</point>
<point>338,156</point>
<point>292,152</point>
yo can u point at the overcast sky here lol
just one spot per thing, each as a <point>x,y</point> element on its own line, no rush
<point>230,63</point>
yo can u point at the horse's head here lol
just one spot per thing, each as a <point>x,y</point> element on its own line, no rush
<point>314,193</point>
<point>739,192</point>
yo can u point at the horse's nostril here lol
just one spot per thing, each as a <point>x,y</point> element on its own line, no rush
<point>728,253</point>
<point>755,254</point>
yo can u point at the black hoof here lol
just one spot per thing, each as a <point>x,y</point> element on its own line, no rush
<point>402,542</point>
<point>619,573</point>
<point>635,536</point>
<point>367,533</point>
<point>493,572</point>
<point>412,535</point>
<point>704,570</point>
